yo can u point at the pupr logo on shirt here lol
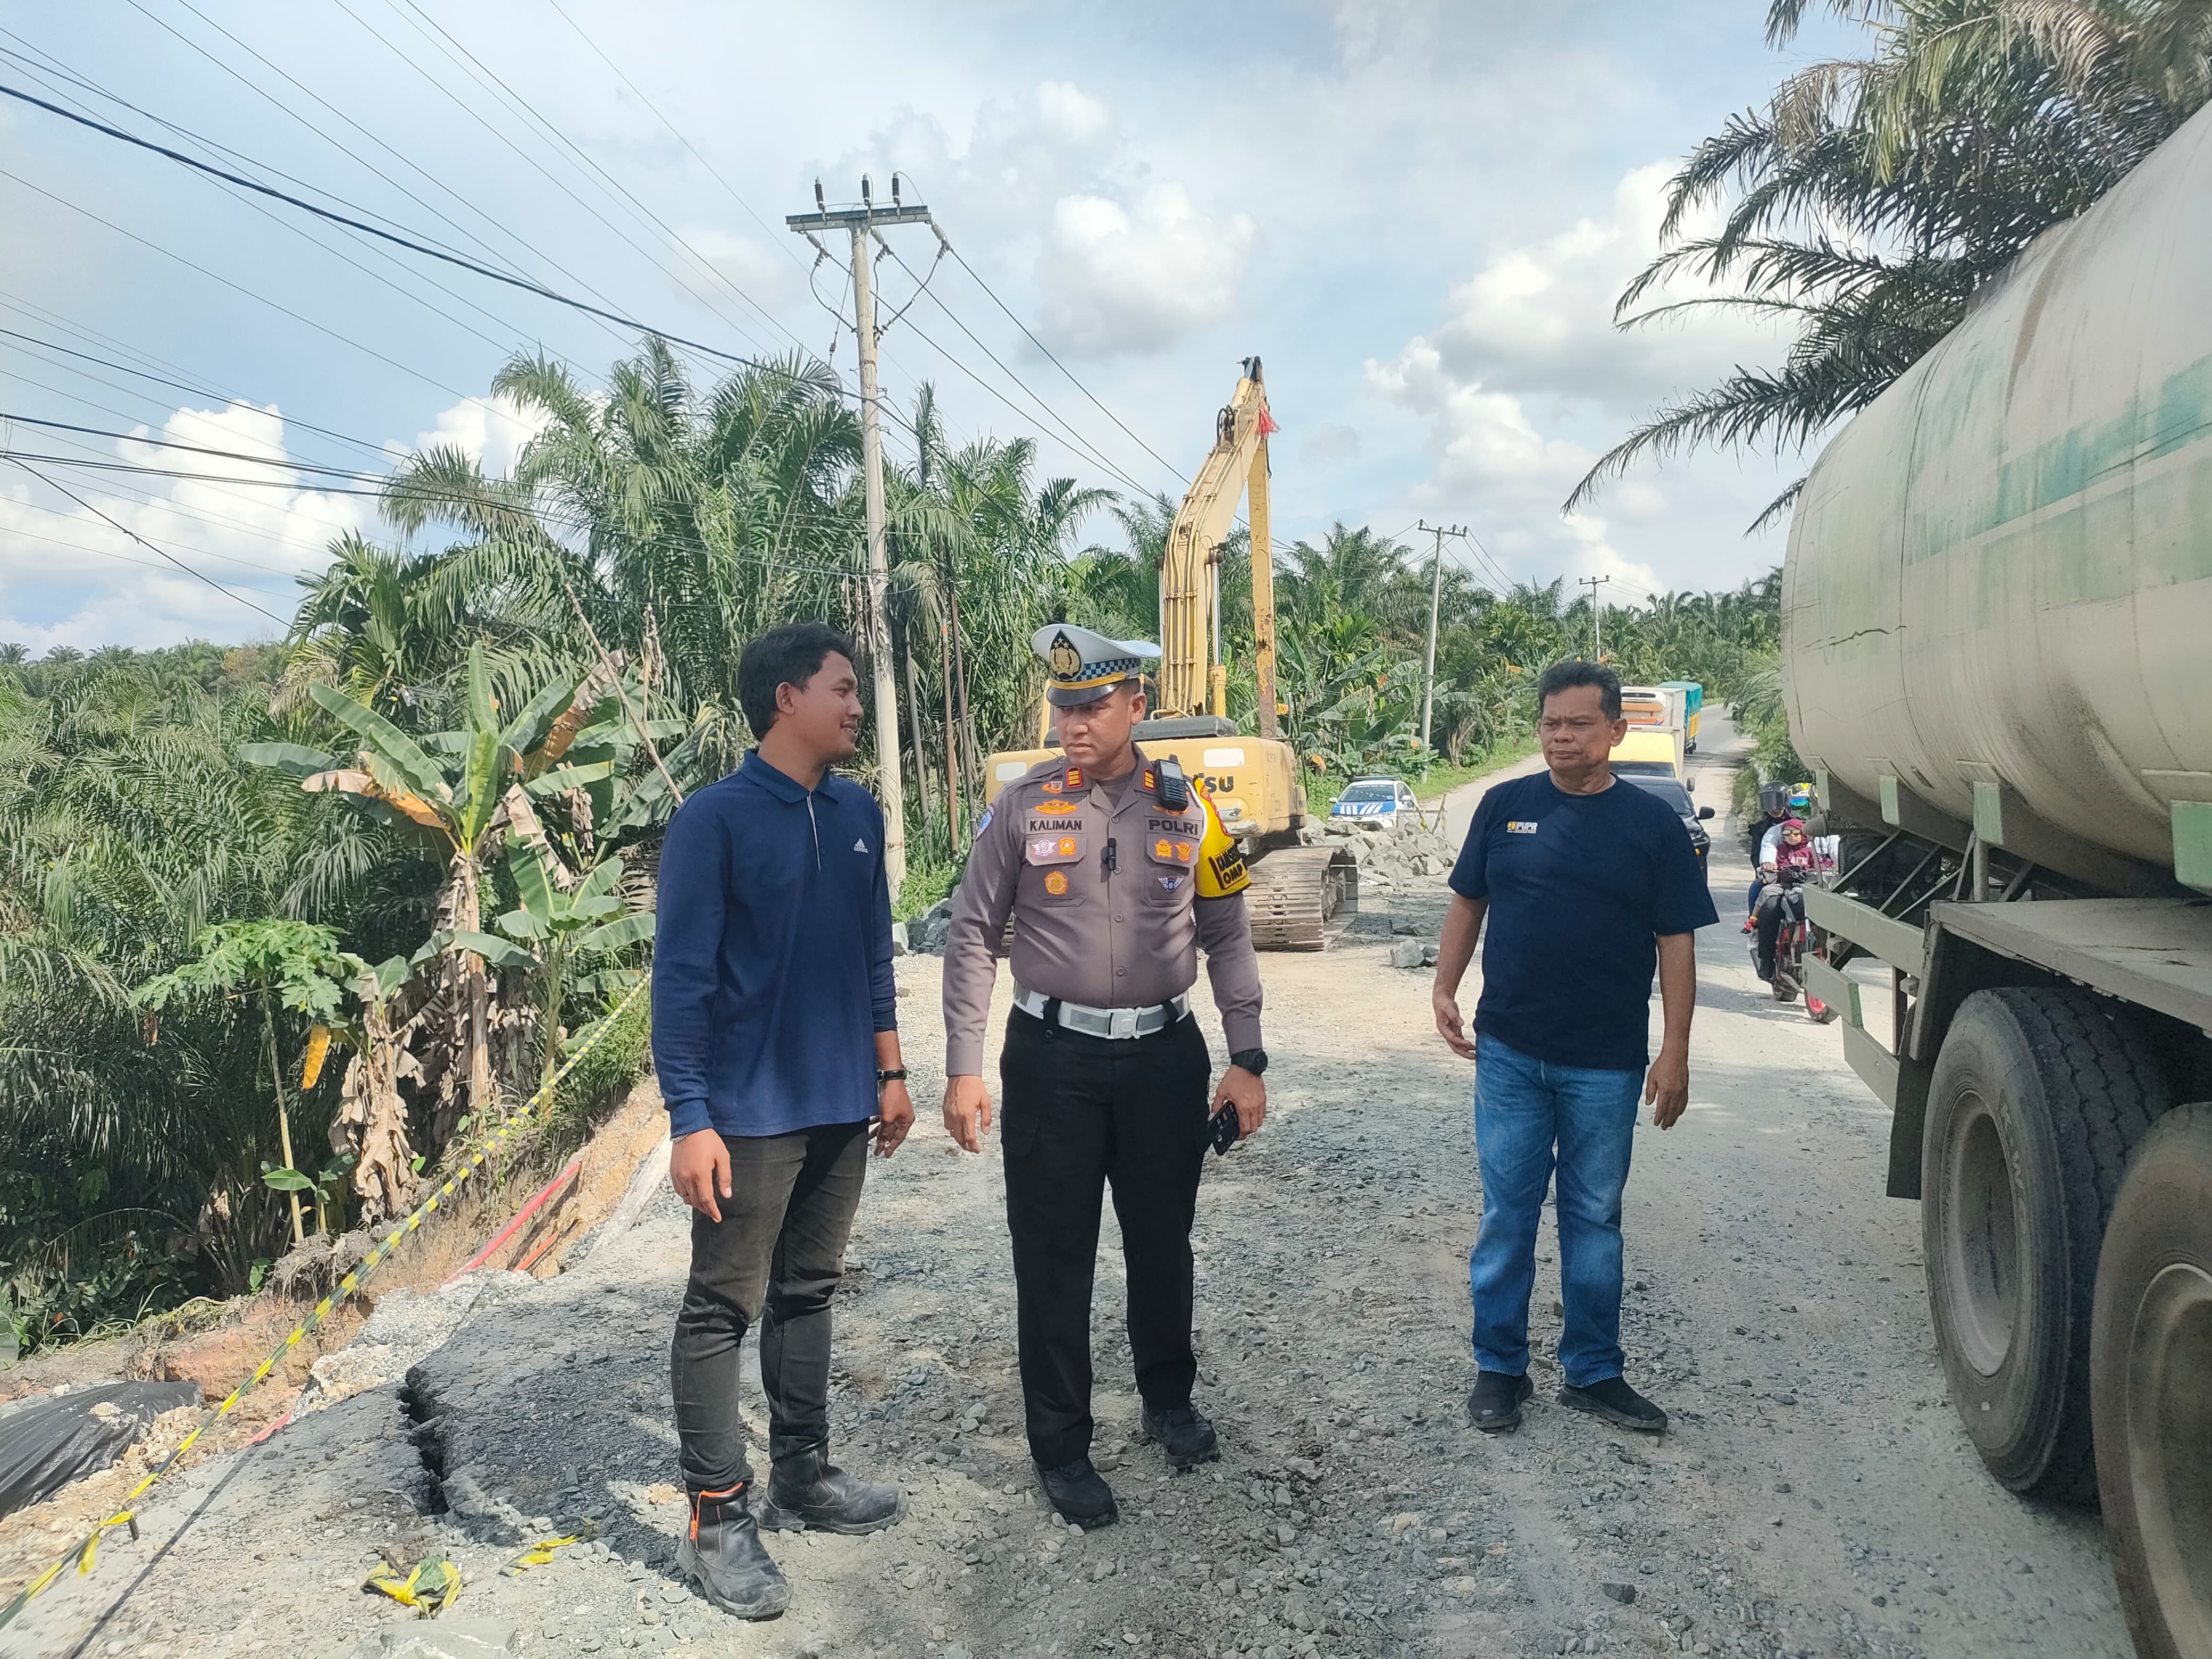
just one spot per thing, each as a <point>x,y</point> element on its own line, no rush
<point>1520,826</point>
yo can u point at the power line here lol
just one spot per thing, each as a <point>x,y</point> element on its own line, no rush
<point>239,287</point>
<point>204,477</point>
<point>204,553</point>
<point>145,496</point>
<point>63,72</point>
<point>469,109</point>
<point>228,399</point>
<point>637,206</point>
<point>413,246</point>
<point>959,259</point>
<point>639,93</point>
<point>197,575</point>
<point>1083,446</point>
<point>196,449</point>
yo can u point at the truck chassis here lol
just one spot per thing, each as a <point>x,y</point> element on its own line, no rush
<point>2051,1091</point>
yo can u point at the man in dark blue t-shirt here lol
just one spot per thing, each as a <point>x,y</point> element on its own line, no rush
<point>1588,884</point>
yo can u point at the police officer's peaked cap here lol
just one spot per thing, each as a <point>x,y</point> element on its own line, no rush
<point>1081,666</point>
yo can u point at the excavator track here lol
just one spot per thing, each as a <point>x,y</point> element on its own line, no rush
<point>1294,892</point>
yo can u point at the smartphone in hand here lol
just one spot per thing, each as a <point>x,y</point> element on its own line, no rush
<point>1224,1129</point>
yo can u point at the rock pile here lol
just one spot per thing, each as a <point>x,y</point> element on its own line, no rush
<point>1411,856</point>
<point>925,934</point>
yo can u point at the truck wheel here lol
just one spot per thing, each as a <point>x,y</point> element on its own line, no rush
<point>2151,1363</point>
<point>2038,1096</point>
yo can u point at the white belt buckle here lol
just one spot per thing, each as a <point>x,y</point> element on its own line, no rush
<point>1121,1022</point>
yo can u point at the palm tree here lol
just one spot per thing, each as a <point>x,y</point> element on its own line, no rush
<point>1871,198</point>
<point>452,786</point>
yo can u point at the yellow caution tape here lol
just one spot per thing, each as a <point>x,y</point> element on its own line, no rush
<point>430,1589</point>
<point>81,1554</point>
<point>539,1553</point>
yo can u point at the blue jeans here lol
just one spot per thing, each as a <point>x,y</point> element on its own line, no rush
<point>1523,1108</point>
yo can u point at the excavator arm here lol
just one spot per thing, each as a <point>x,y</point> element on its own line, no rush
<point>1192,678</point>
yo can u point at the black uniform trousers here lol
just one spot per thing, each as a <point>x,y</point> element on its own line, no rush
<point>1080,1112</point>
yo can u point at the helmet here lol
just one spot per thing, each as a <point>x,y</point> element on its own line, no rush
<point>1773,798</point>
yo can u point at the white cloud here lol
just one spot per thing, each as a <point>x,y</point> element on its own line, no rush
<point>69,577</point>
<point>1528,378</point>
<point>1127,261</point>
<point>489,431</point>
<point>1072,114</point>
<point>1119,280</point>
<point>1541,317</point>
<point>767,276</point>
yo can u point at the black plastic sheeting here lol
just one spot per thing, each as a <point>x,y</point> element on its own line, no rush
<point>50,1440</point>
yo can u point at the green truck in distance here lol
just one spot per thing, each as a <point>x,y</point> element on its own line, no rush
<point>1996,625</point>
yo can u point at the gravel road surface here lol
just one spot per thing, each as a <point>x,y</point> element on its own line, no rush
<point>1814,1498</point>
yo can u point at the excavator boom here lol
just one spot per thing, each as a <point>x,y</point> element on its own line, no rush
<point>1253,782</point>
<point>1192,678</point>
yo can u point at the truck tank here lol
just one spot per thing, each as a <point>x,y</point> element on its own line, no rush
<point>2001,571</point>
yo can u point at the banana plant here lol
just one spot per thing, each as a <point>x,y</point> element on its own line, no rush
<point>553,935</point>
<point>451,784</point>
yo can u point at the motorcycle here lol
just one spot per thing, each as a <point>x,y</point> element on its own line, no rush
<point>1795,938</point>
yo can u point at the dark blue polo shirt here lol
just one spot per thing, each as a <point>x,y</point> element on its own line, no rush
<point>772,957</point>
<point>1580,887</point>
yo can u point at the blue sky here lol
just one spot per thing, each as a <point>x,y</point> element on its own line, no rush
<point>1418,214</point>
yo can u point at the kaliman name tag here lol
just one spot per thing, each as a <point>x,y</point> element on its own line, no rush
<point>1520,826</point>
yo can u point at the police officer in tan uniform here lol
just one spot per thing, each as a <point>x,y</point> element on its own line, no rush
<point>1115,870</point>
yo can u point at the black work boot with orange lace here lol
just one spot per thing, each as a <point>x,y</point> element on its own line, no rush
<point>722,1553</point>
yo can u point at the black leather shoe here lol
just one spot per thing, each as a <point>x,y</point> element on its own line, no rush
<point>1616,1402</point>
<point>1184,1434</point>
<point>1494,1403</point>
<point>722,1553</point>
<point>811,1492</point>
<point>1080,1493</point>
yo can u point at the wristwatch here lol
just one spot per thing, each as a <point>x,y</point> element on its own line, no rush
<point>898,1075</point>
<point>1254,1060</point>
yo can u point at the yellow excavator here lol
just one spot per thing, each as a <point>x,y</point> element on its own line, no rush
<point>1253,781</point>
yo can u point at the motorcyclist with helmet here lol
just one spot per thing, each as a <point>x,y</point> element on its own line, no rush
<point>1774,806</point>
<point>1795,860</point>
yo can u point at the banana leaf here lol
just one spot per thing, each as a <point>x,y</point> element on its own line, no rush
<point>613,935</point>
<point>499,952</point>
<point>300,761</point>
<point>420,773</point>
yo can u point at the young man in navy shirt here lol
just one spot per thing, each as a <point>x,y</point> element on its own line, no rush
<point>1587,882</point>
<point>776,1036</point>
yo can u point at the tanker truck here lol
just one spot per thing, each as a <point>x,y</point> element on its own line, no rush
<point>1998,658</point>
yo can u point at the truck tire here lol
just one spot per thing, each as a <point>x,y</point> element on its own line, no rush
<point>2037,1099</point>
<point>2151,1366</point>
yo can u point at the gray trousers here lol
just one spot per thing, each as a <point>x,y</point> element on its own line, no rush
<point>774,1259</point>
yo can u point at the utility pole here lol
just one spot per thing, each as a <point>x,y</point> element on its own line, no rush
<point>860,222</point>
<point>1597,613</point>
<point>1436,601</point>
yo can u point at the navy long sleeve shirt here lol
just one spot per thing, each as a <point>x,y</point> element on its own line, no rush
<point>772,957</point>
